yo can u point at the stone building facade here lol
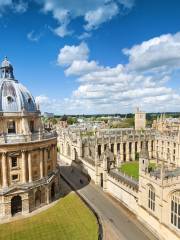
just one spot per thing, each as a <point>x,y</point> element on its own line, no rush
<point>155,197</point>
<point>29,176</point>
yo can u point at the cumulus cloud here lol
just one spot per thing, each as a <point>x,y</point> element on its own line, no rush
<point>141,82</point>
<point>69,54</point>
<point>157,54</point>
<point>100,15</point>
<point>94,12</point>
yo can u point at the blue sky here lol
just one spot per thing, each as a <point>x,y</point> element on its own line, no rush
<point>95,56</point>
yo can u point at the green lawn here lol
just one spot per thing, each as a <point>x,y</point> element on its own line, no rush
<point>132,169</point>
<point>68,219</point>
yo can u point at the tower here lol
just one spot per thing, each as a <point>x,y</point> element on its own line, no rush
<point>144,158</point>
<point>140,120</point>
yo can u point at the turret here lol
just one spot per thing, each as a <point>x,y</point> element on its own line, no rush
<point>144,158</point>
<point>6,69</point>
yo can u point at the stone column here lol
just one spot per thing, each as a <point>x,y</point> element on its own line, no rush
<point>47,195</point>
<point>4,170</point>
<point>53,157</point>
<point>133,151</point>
<point>45,162</point>
<point>115,148</point>
<point>149,149</point>
<point>41,162</point>
<point>121,152</point>
<point>23,167</point>
<point>139,146</point>
<point>30,166</point>
<point>127,151</point>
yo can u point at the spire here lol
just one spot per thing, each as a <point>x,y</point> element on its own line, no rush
<point>6,69</point>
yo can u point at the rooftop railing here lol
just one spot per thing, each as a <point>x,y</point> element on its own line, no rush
<point>31,137</point>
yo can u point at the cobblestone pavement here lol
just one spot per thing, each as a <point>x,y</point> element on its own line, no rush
<point>118,222</point>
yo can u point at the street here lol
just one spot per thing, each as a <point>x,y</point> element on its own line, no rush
<point>118,222</point>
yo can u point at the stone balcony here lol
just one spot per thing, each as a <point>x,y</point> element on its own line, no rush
<point>23,138</point>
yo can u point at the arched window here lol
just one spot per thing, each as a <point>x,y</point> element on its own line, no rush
<point>11,126</point>
<point>10,99</point>
<point>151,198</point>
<point>175,209</point>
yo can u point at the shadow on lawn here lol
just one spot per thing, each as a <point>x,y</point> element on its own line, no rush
<point>76,177</point>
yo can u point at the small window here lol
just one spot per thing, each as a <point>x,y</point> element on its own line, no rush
<point>175,209</point>
<point>14,162</point>
<point>15,177</point>
<point>10,99</point>
<point>11,127</point>
<point>29,100</point>
<point>151,199</point>
<point>31,126</point>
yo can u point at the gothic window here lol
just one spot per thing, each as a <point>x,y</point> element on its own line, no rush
<point>118,147</point>
<point>151,198</point>
<point>99,150</point>
<point>112,148</point>
<point>136,147</point>
<point>13,162</point>
<point>175,209</point>
<point>141,145</point>
<point>151,145</point>
<point>90,153</point>
<point>11,127</point>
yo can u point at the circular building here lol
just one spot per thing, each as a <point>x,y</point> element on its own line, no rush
<point>29,175</point>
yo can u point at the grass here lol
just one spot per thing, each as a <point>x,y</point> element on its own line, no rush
<point>132,169</point>
<point>68,219</point>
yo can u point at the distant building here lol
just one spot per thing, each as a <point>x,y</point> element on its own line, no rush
<point>48,115</point>
<point>140,120</point>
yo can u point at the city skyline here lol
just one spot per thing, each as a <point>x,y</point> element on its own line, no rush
<point>105,57</point>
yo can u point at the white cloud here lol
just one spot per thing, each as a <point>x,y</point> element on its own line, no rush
<point>68,54</point>
<point>157,54</point>
<point>100,15</point>
<point>94,12</point>
<point>84,35</point>
<point>144,81</point>
<point>81,67</point>
<point>32,36</point>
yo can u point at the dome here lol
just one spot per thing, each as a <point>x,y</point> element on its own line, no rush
<point>14,97</point>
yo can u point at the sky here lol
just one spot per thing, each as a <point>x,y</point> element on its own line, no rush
<point>95,56</point>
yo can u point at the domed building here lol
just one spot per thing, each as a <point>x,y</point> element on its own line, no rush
<point>29,175</point>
